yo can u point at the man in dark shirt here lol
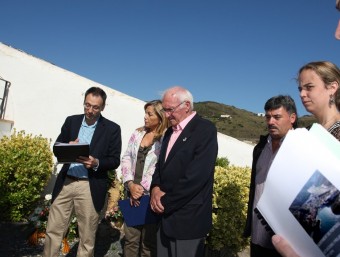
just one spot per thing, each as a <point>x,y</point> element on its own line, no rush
<point>281,116</point>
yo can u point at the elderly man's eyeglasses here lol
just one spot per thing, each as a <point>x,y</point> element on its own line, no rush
<point>171,110</point>
<point>88,106</point>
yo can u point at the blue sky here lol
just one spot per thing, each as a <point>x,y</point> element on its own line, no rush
<point>239,53</point>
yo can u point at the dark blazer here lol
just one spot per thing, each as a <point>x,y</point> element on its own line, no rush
<point>187,178</point>
<point>256,154</point>
<point>105,145</point>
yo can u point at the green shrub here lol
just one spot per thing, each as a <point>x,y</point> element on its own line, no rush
<point>26,166</point>
<point>222,162</point>
<point>230,196</point>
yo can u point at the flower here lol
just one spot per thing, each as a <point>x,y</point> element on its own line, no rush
<point>40,214</point>
<point>114,214</point>
<point>40,217</point>
<point>48,197</point>
<point>115,217</point>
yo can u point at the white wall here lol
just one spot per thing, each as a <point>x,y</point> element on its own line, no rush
<point>42,95</point>
<point>5,128</point>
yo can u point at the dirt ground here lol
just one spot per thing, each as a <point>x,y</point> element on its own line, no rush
<point>13,242</point>
<point>109,242</point>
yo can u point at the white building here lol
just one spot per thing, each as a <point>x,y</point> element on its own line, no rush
<point>226,116</point>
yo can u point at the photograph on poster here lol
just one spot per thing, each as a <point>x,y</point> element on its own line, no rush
<point>317,209</point>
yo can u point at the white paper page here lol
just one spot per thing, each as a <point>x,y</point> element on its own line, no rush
<point>300,157</point>
<point>326,138</point>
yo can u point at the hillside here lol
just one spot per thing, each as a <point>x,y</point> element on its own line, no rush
<point>238,123</point>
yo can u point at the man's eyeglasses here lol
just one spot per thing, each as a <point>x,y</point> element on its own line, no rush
<point>88,106</point>
<point>171,110</point>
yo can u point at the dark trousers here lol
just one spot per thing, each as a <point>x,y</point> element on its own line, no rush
<point>259,251</point>
<point>171,247</point>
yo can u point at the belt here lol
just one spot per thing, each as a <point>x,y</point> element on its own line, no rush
<point>76,178</point>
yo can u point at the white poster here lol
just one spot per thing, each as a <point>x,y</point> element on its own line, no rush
<point>301,199</point>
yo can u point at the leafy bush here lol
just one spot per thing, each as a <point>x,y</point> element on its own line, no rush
<point>26,165</point>
<point>230,196</point>
<point>222,162</point>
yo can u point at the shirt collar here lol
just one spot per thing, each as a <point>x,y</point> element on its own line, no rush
<point>84,124</point>
<point>180,126</point>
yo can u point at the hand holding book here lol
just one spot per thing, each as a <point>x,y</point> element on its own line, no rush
<point>70,152</point>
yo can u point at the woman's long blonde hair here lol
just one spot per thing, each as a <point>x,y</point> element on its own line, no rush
<point>163,121</point>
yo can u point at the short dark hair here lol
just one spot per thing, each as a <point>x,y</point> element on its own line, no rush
<point>96,91</point>
<point>284,101</point>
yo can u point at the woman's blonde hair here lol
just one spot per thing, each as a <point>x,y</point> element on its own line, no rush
<point>163,121</point>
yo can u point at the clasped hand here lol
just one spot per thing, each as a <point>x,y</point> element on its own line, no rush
<point>136,192</point>
<point>155,200</point>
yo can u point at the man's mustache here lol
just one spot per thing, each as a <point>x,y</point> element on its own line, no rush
<point>271,127</point>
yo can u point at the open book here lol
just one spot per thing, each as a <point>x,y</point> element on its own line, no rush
<point>68,153</point>
<point>301,198</point>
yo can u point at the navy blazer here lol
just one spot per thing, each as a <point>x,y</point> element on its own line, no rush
<point>105,145</point>
<point>187,178</point>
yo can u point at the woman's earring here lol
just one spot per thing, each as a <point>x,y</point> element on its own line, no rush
<point>331,100</point>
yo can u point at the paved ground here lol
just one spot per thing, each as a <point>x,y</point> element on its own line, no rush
<point>109,241</point>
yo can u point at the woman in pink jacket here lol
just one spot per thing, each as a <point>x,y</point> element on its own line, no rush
<point>138,165</point>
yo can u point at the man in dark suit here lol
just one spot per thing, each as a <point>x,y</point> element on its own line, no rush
<point>82,186</point>
<point>182,184</point>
